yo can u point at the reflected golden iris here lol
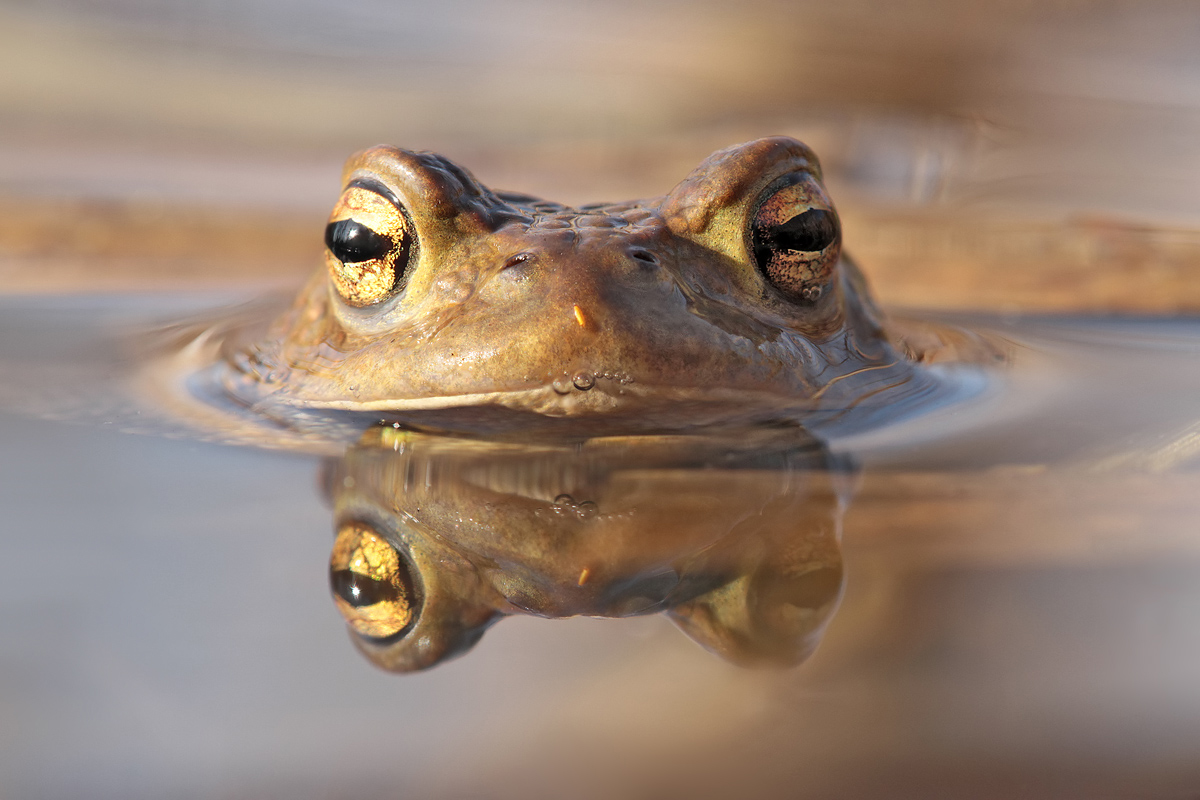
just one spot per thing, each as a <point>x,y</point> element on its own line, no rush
<point>367,246</point>
<point>370,582</point>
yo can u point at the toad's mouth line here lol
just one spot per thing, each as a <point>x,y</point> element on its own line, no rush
<point>596,401</point>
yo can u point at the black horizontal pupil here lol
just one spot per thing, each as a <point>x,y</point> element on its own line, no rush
<point>809,232</point>
<point>352,242</point>
<point>360,590</point>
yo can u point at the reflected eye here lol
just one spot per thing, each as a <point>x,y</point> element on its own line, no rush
<point>796,238</point>
<point>371,583</point>
<point>368,244</point>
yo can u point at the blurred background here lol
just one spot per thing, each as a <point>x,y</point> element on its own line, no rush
<point>1004,155</point>
<point>1016,630</point>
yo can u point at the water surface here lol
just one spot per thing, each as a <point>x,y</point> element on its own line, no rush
<point>1018,614</point>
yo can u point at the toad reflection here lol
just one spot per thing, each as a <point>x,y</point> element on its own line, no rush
<point>438,538</point>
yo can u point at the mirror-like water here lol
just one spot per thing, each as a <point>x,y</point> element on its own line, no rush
<point>1018,608</point>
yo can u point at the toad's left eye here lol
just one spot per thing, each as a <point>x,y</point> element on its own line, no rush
<point>796,238</point>
<point>808,232</point>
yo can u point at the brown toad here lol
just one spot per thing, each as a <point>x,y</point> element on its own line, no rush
<point>447,306</point>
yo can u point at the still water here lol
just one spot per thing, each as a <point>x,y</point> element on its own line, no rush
<point>1004,599</point>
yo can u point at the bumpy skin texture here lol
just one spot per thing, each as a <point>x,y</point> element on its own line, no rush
<point>644,315</point>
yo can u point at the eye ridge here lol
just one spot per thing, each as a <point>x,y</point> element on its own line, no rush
<point>352,242</point>
<point>809,232</point>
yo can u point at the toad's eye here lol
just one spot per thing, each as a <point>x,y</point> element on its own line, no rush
<point>796,238</point>
<point>368,246</point>
<point>372,584</point>
<point>352,242</point>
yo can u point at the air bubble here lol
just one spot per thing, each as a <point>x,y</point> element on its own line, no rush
<point>584,381</point>
<point>561,386</point>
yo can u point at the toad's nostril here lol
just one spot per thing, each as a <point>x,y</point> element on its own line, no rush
<point>645,256</point>
<point>518,259</point>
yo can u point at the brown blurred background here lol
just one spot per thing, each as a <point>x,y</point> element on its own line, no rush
<point>1036,155</point>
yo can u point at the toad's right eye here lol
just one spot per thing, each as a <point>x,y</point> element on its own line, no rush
<point>352,242</point>
<point>368,246</point>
